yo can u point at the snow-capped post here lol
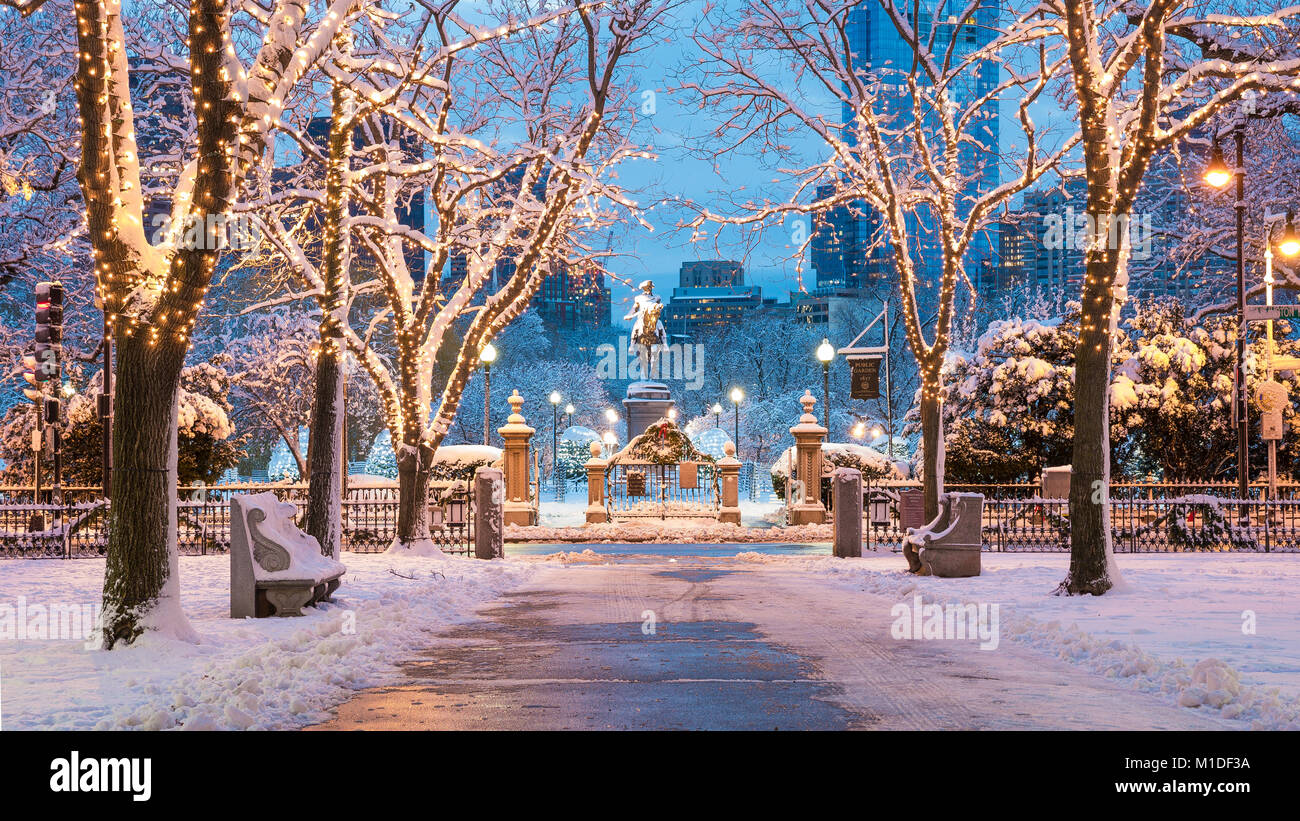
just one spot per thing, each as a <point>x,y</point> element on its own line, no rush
<point>729,473</point>
<point>808,438</point>
<point>596,513</point>
<point>489,521</point>
<point>846,512</point>
<point>517,435</point>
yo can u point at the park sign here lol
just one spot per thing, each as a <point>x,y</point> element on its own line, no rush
<point>865,371</point>
<point>1260,313</point>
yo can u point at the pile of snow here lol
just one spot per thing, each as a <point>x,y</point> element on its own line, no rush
<point>245,673</point>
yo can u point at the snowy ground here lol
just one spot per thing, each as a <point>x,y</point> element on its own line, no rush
<point>566,522</point>
<point>1177,628</point>
<point>254,673</point>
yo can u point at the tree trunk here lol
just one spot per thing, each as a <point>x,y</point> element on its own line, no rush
<point>325,456</point>
<point>141,583</point>
<point>932,466</point>
<point>413,465</point>
<point>1090,477</point>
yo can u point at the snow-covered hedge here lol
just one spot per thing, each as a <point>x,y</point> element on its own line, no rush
<point>872,463</point>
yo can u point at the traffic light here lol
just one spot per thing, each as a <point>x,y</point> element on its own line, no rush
<point>49,330</point>
<point>30,373</point>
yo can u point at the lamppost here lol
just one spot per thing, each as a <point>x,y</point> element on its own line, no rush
<point>487,356</point>
<point>1289,245</point>
<point>1218,174</point>
<point>825,353</point>
<point>555,436</point>
<point>568,415</point>
<point>717,414</point>
<point>737,396</point>
<point>610,441</point>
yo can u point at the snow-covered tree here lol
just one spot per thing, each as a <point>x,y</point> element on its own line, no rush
<point>240,65</point>
<point>770,69</point>
<point>517,121</point>
<point>1143,76</point>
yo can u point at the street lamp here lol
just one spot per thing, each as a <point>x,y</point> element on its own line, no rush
<point>859,431</point>
<point>1218,174</point>
<point>568,415</point>
<point>737,396</point>
<point>1289,244</point>
<point>487,356</point>
<point>555,436</point>
<point>825,353</point>
<point>716,410</point>
<point>610,441</point>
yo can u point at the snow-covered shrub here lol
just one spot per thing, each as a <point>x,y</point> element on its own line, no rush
<point>871,462</point>
<point>205,440</point>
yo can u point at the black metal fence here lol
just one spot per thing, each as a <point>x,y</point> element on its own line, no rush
<point>1170,525</point>
<point>79,529</point>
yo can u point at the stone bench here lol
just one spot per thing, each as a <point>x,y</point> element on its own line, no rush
<point>275,568</point>
<point>950,546</point>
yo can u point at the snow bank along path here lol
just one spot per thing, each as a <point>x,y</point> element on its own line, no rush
<point>1176,630</point>
<point>246,674</point>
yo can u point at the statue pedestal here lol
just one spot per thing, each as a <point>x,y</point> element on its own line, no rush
<point>646,403</point>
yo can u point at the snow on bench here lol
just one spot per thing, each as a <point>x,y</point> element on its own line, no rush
<point>275,568</point>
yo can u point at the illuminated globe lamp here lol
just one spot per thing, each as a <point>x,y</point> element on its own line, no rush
<point>487,356</point>
<point>826,353</point>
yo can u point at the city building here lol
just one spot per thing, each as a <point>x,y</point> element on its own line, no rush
<point>694,309</point>
<point>849,245</point>
<point>706,273</point>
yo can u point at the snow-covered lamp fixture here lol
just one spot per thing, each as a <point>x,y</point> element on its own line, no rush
<point>825,352</point>
<point>488,355</point>
<point>1289,244</point>
<point>1217,172</point>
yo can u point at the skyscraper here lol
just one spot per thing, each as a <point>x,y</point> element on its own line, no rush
<point>848,246</point>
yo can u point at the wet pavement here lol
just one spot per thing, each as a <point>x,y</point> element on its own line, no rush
<point>716,643</point>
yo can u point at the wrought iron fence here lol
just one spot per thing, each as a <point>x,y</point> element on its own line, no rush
<point>645,489</point>
<point>80,529</point>
<point>1195,522</point>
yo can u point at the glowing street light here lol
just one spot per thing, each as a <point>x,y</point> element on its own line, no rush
<point>487,356</point>
<point>1217,172</point>
<point>555,436</point>
<point>1289,244</point>
<point>826,353</point>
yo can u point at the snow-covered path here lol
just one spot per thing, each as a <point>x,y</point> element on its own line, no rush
<point>735,644</point>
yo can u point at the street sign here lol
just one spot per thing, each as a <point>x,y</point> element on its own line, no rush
<point>1286,363</point>
<point>1259,313</point>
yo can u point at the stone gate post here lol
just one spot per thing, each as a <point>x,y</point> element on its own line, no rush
<point>808,438</point>
<point>519,510</point>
